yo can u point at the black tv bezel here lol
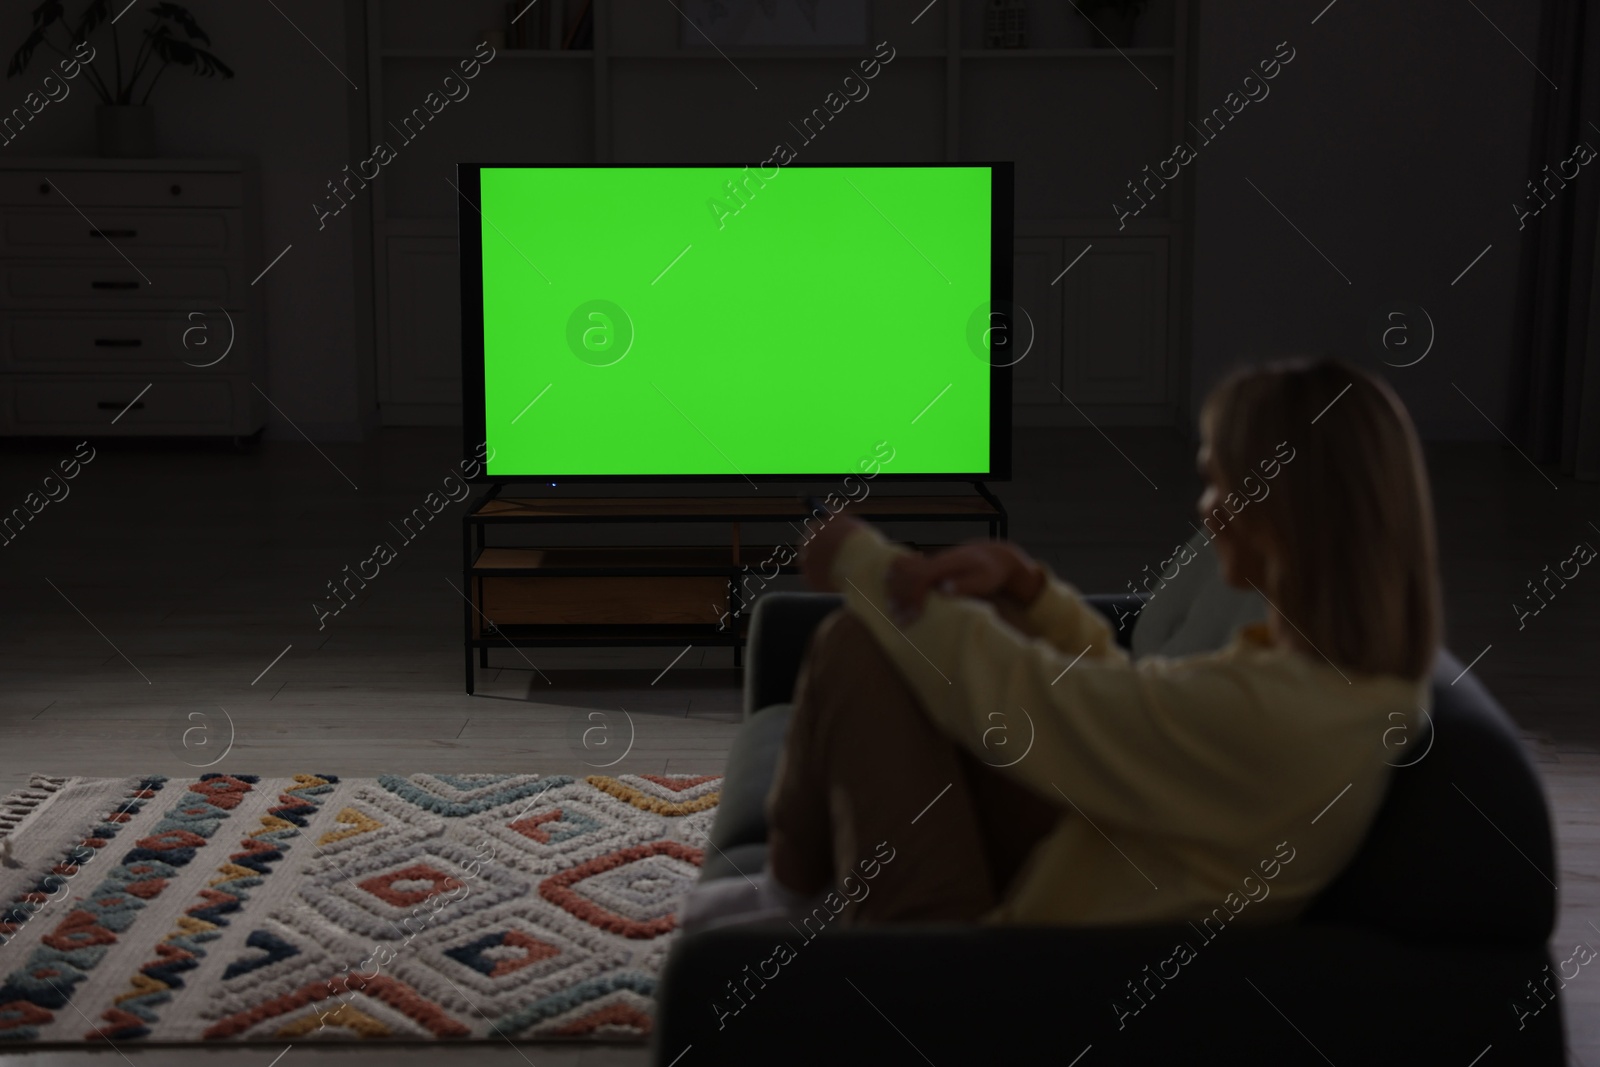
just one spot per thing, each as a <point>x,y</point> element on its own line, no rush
<point>469,241</point>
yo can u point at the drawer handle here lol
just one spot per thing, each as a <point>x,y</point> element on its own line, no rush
<point>108,234</point>
<point>114,285</point>
<point>117,405</point>
<point>177,190</point>
<point>118,342</point>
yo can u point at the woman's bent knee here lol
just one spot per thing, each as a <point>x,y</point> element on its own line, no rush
<point>843,637</point>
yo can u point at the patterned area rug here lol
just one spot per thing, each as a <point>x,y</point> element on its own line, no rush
<point>240,908</point>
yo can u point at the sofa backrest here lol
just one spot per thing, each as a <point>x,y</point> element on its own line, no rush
<point>1461,848</point>
<point>780,630</point>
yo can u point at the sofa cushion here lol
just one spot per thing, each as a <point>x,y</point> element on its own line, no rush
<point>752,763</point>
<point>979,994</point>
<point>1196,610</point>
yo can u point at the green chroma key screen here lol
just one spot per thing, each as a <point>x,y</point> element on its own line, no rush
<point>655,321</point>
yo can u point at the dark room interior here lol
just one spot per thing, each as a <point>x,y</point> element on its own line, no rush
<point>519,518</point>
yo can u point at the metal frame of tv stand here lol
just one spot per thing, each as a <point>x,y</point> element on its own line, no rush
<point>599,635</point>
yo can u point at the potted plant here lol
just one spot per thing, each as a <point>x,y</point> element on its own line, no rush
<point>124,122</point>
<point>1112,20</point>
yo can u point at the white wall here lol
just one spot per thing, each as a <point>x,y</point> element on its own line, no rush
<point>287,107</point>
<point>1397,140</point>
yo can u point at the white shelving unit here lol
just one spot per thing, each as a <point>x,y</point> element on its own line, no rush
<point>1080,122</point>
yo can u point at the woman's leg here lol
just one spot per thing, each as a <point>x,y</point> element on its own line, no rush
<point>864,771</point>
<point>1011,818</point>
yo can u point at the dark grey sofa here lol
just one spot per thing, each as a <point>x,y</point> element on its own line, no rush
<point>1421,952</point>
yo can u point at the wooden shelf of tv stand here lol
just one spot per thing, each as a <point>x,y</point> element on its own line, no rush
<point>636,561</point>
<point>874,507</point>
<point>535,592</point>
<point>645,594</point>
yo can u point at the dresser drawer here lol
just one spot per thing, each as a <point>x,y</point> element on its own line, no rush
<point>121,232</point>
<point>108,284</point>
<point>101,404</point>
<point>159,341</point>
<point>91,189</point>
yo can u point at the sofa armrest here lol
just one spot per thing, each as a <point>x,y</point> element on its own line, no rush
<point>780,631</point>
<point>1115,605</point>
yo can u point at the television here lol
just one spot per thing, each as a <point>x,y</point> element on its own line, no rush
<point>727,323</point>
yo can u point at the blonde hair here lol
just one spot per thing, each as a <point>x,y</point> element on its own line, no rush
<point>1355,566</point>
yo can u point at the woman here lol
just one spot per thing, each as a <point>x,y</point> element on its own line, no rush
<point>971,718</point>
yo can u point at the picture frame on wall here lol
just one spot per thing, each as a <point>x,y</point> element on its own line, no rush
<point>774,23</point>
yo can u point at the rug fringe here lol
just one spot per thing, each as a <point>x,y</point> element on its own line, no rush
<point>17,806</point>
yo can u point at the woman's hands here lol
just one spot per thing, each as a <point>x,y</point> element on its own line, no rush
<point>997,571</point>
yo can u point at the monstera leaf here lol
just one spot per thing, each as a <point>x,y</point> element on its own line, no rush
<point>184,54</point>
<point>169,38</point>
<point>48,12</point>
<point>45,15</point>
<point>94,16</point>
<point>182,18</point>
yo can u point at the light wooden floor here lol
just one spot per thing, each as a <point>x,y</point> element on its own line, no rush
<point>189,570</point>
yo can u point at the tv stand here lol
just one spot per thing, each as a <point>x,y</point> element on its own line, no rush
<point>644,593</point>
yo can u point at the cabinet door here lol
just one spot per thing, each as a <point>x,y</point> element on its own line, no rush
<point>1114,348</point>
<point>420,362</point>
<point>1037,261</point>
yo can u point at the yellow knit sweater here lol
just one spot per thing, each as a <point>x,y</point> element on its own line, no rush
<point>1233,783</point>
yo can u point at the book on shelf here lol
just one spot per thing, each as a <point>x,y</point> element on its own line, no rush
<point>580,35</point>
<point>528,23</point>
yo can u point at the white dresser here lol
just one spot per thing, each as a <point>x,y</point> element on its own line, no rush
<point>126,304</point>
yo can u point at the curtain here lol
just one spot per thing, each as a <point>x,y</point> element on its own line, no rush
<point>1555,388</point>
